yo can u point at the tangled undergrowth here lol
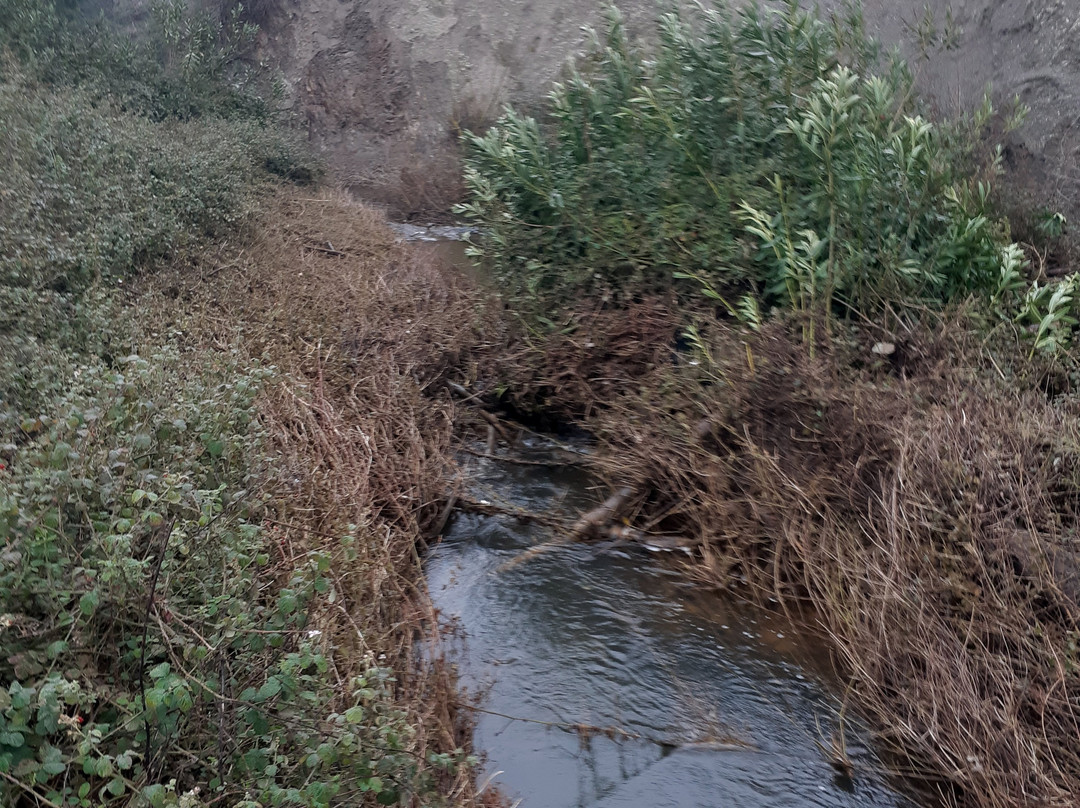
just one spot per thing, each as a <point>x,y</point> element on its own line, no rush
<point>241,506</point>
<point>923,505</point>
<point>816,415</point>
<point>361,332</point>
<point>221,440</point>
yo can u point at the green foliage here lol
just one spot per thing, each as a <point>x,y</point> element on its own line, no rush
<point>92,193</point>
<point>1051,224</point>
<point>94,188</point>
<point>756,149</point>
<point>156,641</point>
<point>189,63</point>
<point>156,645</point>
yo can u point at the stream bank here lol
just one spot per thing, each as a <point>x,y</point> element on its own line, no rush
<point>922,504</point>
<point>604,678</point>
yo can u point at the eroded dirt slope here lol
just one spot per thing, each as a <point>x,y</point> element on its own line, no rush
<point>382,85</point>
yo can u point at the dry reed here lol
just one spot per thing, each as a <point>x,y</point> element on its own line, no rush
<point>926,511</point>
<point>362,332</point>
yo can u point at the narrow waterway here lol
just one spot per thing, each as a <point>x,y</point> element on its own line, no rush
<point>733,706</point>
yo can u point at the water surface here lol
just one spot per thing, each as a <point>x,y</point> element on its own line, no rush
<point>733,703</point>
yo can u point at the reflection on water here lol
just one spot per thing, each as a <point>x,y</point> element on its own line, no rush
<point>576,637</point>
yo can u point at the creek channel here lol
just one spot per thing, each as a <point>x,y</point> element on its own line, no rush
<point>715,704</point>
<point>606,679</point>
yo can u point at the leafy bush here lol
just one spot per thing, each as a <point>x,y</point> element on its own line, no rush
<point>156,645</point>
<point>188,64</point>
<point>156,639</point>
<point>96,184</point>
<point>756,151</point>
<point>89,195</point>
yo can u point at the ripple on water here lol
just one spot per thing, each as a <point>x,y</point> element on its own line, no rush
<point>579,638</point>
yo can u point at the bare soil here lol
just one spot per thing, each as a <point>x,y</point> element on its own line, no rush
<point>383,86</point>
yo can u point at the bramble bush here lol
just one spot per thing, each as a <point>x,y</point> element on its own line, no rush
<point>156,641</point>
<point>763,153</point>
<point>189,64</point>
<point>157,646</point>
<point>93,190</point>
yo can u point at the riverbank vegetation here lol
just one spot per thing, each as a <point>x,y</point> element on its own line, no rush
<point>219,442</point>
<point>787,304</point>
<point>782,298</point>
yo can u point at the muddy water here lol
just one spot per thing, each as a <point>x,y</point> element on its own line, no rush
<point>731,706</point>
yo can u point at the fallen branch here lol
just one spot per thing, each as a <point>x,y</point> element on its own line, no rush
<point>520,461</point>
<point>586,731</point>
<point>601,515</point>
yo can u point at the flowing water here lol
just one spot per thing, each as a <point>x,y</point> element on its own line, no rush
<point>733,706</point>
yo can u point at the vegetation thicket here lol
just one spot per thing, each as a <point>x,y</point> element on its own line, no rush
<point>781,297</point>
<point>762,157</point>
<point>785,302</point>
<point>209,503</point>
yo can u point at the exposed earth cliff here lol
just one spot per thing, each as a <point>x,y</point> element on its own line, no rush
<point>382,86</point>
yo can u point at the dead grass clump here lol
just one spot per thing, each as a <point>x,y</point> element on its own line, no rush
<point>930,519</point>
<point>362,332</point>
<point>593,357</point>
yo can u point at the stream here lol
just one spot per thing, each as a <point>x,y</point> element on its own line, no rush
<point>732,705</point>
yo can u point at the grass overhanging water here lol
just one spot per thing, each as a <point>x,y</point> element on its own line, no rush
<point>780,295</point>
<point>208,558</point>
<point>786,302</point>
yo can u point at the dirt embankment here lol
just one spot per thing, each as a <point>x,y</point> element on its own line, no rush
<point>382,87</point>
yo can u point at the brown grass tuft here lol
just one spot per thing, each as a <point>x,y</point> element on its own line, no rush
<point>362,331</point>
<point>926,512</point>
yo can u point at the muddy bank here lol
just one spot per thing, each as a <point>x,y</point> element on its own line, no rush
<point>381,88</point>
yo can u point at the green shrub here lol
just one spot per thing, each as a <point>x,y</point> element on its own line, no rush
<point>155,644</point>
<point>188,63</point>
<point>90,195</point>
<point>756,151</point>
<point>114,155</point>
<point>155,640</point>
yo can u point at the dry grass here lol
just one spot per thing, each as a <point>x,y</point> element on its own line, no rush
<point>363,332</point>
<point>924,509</point>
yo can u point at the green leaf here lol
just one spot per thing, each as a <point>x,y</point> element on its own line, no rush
<point>153,794</point>
<point>56,648</point>
<point>354,715</point>
<point>256,719</point>
<point>88,603</point>
<point>54,767</point>
<point>287,601</point>
<point>387,797</point>
<point>270,689</point>
<point>20,696</point>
